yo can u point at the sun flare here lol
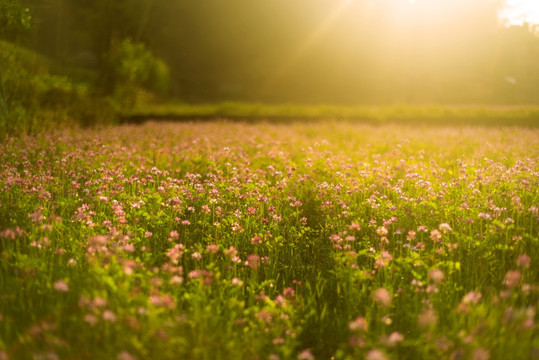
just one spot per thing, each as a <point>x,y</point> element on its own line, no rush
<point>517,12</point>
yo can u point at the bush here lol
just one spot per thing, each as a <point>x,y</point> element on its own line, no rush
<point>32,98</point>
<point>133,72</point>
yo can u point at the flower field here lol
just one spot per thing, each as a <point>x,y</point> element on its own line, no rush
<point>226,240</point>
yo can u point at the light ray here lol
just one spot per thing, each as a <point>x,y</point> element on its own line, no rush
<point>306,45</point>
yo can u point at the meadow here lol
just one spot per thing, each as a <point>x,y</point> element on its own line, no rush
<point>222,240</point>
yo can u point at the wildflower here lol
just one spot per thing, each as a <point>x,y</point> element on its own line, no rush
<point>382,296</point>
<point>109,316</point>
<point>437,276</point>
<point>386,320</point>
<point>524,261</point>
<point>61,286</point>
<point>382,231</point>
<point>256,240</point>
<point>383,260</point>
<point>129,247</point>
<point>90,319</point>
<point>376,354</point>
<point>480,354</point>
<point>411,235</point>
<point>196,256</point>
<point>280,300</point>
<point>355,226</point>
<point>99,302</point>
<point>289,293</point>
<point>473,297</point>
<point>427,318</point>
<point>36,217</point>
<point>124,355</point>
<point>236,282</point>
<point>264,315</point>
<point>394,339</point>
<point>253,261</point>
<point>359,324</point>
<point>212,249</point>
<point>305,355</point>
<point>176,280</point>
<point>231,252</point>
<point>512,278</point>
<point>485,216</point>
<point>445,228</point>
<point>435,235</point>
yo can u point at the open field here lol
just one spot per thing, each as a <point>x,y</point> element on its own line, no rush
<point>221,240</point>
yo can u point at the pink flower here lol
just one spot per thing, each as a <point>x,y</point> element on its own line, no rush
<point>473,297</point>
<point>289,293</point>
<point>445,227</point>
<point>382,231</point>
<point>512,278</point>
<point>90,319</point>
<point>485,216</point>
<point>256,240</point>
<point>382,296</point>
<point>383,260</point>
<point>359,324</point>
<point>61,286</point>
<point>176,280</point>
<point>524,261</point>
<point>376,354</point>
<point>480,354</point>
<point>435,235</point>
<point>129,247</point>
<point>355,226</point>
<point>124,355</point>
<point>305,355</point>
<point>394,339</point>
<point>253,261</point>
<point>427,318</point>
<point>236,282</point>
<point>109,316</point>
<point>437,276</point>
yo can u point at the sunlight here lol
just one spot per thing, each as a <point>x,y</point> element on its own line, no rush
<point>517,12</point>
<point>308,43</point>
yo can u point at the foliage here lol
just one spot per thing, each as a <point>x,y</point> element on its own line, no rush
<point>133,69</point>
<point>14,19</point>
<point>238,241</point>
<point>34,98</point>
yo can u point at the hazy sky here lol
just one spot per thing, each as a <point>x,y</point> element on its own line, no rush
<point>519,11</point>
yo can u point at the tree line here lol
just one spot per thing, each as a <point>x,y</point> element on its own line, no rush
<point>310,51</point>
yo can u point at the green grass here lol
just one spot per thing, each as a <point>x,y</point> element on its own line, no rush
<point>226,240</point>
<point>399,113</point>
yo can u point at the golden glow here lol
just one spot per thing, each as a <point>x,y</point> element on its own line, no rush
<point>516,12</point>
<point>308,43</point>
<point>395,50</point>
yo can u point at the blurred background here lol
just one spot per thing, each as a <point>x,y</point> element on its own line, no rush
<point>369,52</point>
